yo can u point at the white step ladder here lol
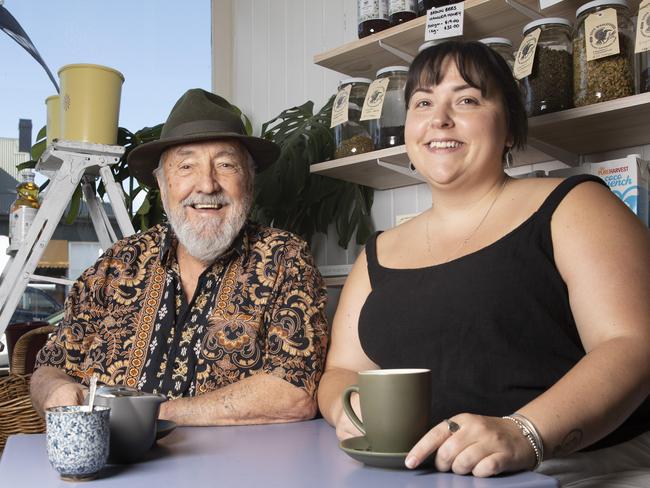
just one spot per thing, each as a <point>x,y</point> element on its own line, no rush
<point>66,163</point>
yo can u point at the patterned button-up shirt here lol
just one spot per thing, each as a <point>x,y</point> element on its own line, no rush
<point>259,308</point>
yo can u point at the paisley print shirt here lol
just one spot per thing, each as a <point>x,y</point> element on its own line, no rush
<point>259,308</point>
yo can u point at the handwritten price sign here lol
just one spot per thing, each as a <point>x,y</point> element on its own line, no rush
<point>445,22</point>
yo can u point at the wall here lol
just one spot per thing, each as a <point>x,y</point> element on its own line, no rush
<point>271,67</point>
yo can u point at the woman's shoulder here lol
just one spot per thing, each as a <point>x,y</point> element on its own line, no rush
<point>396,236</point>
<point>532,195</point>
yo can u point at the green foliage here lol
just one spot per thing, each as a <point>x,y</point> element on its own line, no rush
<point>151,210</point>
<point>288,196</point>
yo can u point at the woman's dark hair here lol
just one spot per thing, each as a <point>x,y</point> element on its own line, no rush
<point>482,68</point>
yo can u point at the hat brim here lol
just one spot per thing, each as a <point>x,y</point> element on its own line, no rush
<point>144,159</point>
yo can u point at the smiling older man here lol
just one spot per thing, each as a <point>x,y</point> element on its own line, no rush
<point>223,316</point>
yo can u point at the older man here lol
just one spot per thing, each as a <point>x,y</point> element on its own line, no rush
<point>223,316</point>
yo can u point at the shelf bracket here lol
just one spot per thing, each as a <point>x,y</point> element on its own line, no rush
<point>524,10</point>
<point>558,153</point>
<point>397,52</point>
<point>401,170</point>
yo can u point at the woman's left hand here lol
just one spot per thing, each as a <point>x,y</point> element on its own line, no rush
<point>483,446</point>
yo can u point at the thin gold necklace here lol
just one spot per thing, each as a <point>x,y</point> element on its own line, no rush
<point>464,241</point>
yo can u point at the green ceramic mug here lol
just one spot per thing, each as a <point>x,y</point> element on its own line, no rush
<point>395,406</point>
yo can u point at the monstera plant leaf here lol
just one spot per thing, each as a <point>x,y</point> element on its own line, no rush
<point>289,197</point>
<point>150,212</point>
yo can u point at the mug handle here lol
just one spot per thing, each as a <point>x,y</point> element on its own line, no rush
<point>349,411</point>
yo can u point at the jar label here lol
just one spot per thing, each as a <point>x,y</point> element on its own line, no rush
<point>601,34</point>
<point>20,221</point>
<point>372,10</point>
<point>340,106</point>
<point>374,101</point>
<point>526,55</point>
<point>443,22</point>
<point>395,6</point>
<point>643,28</point>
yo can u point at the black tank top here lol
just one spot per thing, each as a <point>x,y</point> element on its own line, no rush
<point>495,326</point>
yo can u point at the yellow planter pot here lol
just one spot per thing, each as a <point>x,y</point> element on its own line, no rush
<point>53,118</point>
<point>90,103</point>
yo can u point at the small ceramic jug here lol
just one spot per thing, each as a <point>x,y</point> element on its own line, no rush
<point>132,421</point>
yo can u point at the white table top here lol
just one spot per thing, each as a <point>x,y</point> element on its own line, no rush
<point>303,454</point>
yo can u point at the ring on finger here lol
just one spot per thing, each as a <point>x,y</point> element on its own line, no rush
<point>452,426</point>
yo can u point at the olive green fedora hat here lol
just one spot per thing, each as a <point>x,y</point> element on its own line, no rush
<point>199,116</point>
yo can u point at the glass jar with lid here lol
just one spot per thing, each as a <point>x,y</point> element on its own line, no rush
<point>353,137</point>
<point>400,11</point>
<point>503,47</point>
<point>372,17</point>
<point>548,87</point>
<point>388,130</point>
<point>611,76</point>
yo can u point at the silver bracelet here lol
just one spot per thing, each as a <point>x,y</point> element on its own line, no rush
<point>529,432</point>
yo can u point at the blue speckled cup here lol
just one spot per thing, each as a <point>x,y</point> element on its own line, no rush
<point>77,440</point>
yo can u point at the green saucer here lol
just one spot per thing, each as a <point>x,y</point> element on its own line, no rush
<point>359,449</point>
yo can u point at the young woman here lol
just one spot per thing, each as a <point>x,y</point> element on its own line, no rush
<point>527,298</point>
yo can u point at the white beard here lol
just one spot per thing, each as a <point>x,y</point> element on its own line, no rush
<point>213,236</point>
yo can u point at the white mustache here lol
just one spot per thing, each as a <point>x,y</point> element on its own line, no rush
<point>218,199</point>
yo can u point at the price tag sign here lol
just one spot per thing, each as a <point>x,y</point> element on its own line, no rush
<point>601,34</point>
<point>443,22</point>
<point>643,28</point>
<point>374,101</point>
<point>526,55</point>
<point>340,107</point>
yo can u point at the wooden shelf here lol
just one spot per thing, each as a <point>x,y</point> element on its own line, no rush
<point>605,126</point>
<point>591,129</point>
<point>595,128</point>
<point>483,18</point>
<point>364,170</point>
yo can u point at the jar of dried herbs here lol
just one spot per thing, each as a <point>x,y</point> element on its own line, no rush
<point>548,87</point>
<point>603,52</point>
<point>388,129</point>
<point>353,137</point>
<point>503,47</point>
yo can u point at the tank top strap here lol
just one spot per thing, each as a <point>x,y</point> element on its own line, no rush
<point>551,203</point>
<point>374,269</point>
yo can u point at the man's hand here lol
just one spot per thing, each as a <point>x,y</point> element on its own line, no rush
<point>64,395</point>
<point>51,387</point>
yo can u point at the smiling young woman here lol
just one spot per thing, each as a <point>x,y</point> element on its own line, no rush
<point>512,292</point>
